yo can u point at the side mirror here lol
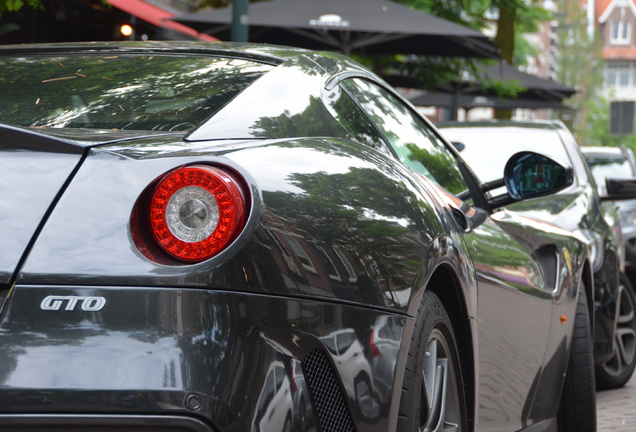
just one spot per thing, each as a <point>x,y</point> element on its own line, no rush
<point>531,175</point>
<point>620,189</point>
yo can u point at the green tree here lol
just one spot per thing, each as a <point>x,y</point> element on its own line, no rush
<point>581,67</point>
<point>515,18</point>
<point>596,130</point>
<point>16,5</point>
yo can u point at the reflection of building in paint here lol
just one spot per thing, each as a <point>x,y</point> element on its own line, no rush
<point>305,261</point>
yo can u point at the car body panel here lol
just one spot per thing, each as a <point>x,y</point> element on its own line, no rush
<point>537,293</point>
<point>109,194</point>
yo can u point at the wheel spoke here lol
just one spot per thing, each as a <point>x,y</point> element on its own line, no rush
<point>626,344</point>
<point>626,318</point>
<point>625,306</point>
<point>428,376</point>
<point>440,391</point>
<point>437,404</point>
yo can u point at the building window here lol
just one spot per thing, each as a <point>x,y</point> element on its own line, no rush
<point>620,32</point>
<point>623,78</point>
<point>620,74</point>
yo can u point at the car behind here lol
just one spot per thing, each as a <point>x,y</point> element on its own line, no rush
<point>579,209</point>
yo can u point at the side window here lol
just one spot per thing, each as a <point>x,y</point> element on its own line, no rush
<point>412,140</point>
<point>345,110</point>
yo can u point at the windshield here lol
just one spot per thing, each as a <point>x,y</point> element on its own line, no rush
<point>487,149</point>
<point>134,92</point>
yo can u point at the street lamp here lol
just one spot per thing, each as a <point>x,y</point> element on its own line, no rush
<point>126,30</point>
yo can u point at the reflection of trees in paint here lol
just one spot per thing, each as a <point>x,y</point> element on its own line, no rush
<point>120,91</point>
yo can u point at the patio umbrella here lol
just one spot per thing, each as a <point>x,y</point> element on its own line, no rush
<point>467,102</point>
<point>364,26</point>
<point>467,94</point>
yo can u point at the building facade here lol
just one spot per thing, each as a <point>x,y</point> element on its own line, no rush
<point>616,22</point>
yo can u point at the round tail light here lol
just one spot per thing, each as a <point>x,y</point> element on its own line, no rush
<point>196,211</point>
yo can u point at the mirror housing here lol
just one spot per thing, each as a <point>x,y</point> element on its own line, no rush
<point>619,189</point>
<point>531,175</point>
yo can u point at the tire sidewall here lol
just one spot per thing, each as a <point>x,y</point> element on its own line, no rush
<point>431,318</point>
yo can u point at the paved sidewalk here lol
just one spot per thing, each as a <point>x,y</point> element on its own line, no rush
<point>616,409</point>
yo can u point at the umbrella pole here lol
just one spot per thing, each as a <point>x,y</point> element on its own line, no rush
<point>239,21</point>
<point>455,102</point>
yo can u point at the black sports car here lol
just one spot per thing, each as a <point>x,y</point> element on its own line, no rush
<point>210,237</point>
<point>578,209</point>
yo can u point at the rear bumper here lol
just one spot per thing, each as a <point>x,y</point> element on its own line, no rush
<point>99,423</point>
<point>232,361</point>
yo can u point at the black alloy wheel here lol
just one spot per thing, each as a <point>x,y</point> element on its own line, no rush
<point>615,372</point>
<point>433,397</point>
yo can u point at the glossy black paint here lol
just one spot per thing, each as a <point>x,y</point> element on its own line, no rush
<point>41,176</point>
<point>340,242</point>
<point>578,209</point>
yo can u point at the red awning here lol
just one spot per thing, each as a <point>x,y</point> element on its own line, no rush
<point>157,17</point>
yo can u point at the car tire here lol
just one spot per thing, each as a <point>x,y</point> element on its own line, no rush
<point>615,372</point>
<point>433,391</point>
<point>577,410</point>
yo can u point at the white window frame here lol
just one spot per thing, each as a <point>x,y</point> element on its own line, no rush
<point>620,32</point>
<point>618,70</point>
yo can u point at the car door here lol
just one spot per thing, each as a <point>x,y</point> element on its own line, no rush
<point>514,303</point>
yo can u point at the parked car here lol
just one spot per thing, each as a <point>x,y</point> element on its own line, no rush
<point>182,224</point>
<point>617,162</point>
<point>578,209</point>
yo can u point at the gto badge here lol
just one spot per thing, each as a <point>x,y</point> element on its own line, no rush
<point>88,304</point>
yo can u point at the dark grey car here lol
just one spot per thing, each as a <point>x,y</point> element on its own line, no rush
<point>216,237</point>
<point>580,210</point>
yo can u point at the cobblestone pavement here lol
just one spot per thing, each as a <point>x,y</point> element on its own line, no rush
<point>616,409</point>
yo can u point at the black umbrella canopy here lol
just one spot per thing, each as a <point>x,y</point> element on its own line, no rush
<point>539,93</point>
<point>533,83</point>
<point>445,100</point>
<point>363,26</point>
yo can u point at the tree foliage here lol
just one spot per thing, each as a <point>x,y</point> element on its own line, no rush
<point>514,19</point>
<point>596,118</point>
<point>581,67</point>
<point>16,5</point>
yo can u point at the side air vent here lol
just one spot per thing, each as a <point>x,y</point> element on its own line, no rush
<point>547,258</point>
<point>329,401</point>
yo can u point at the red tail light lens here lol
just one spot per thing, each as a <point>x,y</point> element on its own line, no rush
<point>196,211</point>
